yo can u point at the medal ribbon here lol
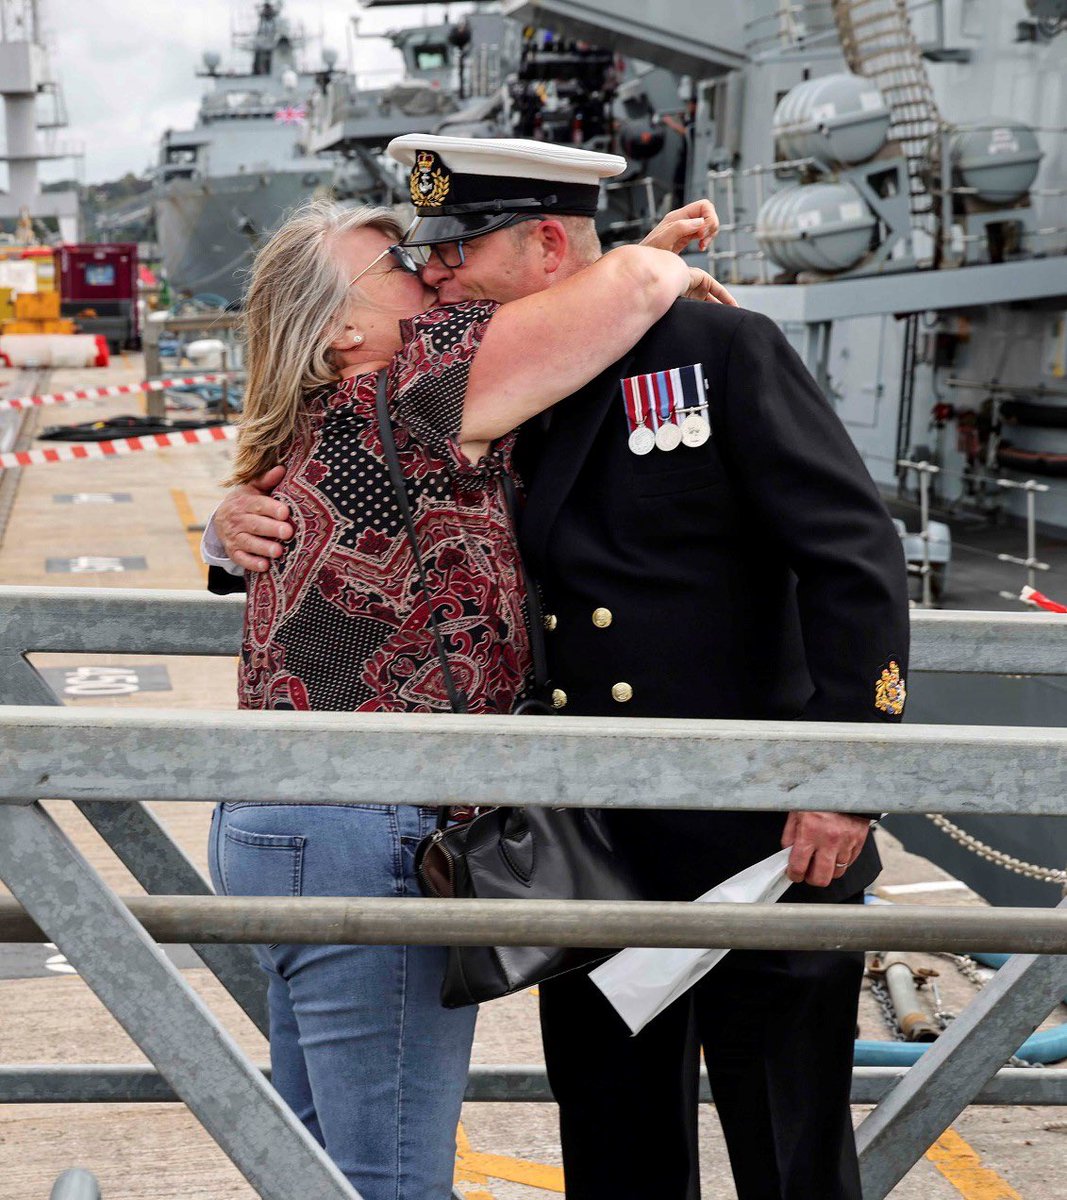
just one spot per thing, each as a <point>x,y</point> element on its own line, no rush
<point>632,402</point>
<point>693,388</point>
<point>644,384</point>
<point>664,403</point>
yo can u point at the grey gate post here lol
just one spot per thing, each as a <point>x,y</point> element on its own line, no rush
<point>151,856</point>
<point>147,995</point>
<point>956,1067</point>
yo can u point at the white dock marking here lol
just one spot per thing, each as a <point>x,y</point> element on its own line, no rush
<point>934,885</point>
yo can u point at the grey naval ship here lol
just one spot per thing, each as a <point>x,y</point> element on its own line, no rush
<point>278,131</point>
<point>222,183</point>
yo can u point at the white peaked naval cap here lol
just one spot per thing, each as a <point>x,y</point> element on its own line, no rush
<point>464,187</point>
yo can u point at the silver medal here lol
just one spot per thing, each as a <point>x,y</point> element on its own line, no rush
<point>695,430</point>
<point>668,436</point>
<point>642,440</point>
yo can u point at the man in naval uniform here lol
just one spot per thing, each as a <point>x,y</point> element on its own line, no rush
<point>742,566</point>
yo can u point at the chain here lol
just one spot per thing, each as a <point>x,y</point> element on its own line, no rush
<point>1007,861</point>
<point>969,969</point>
<point>881,995</point>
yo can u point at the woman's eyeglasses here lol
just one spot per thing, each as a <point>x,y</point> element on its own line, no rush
<point>401,255</point>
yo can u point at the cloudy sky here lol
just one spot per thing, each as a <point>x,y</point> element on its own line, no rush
<point>127,66</point>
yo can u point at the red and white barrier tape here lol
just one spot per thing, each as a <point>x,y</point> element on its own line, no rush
<point>119,389</point>
<point>1038,599</point>
<point>150,441</point>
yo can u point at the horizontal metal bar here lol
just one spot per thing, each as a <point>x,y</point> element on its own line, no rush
<point>434,759</point>
<point>119,621</point>
<point>1012,643</point>
<point>132,621</point>
<point>414,921</point>
<point>104,1083</point>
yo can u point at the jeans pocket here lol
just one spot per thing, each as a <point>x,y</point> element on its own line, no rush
<point>262,864</point>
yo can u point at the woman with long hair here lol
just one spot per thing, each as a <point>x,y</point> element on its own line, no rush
<point>361,1047</point>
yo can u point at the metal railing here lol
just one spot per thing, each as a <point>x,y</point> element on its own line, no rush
<point>108,759</point>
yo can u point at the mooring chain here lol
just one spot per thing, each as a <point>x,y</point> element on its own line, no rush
<point>881,995</point>
<point>1008,861</point>
<point>969,969</point>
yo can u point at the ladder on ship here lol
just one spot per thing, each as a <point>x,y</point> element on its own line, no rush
<point>878,42</point>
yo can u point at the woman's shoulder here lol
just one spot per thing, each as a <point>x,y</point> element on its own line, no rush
<point>354,394</point>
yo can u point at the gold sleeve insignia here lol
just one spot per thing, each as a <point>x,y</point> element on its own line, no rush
<point>889,691</point>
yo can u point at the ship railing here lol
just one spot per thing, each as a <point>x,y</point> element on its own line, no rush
<point>110,760</point>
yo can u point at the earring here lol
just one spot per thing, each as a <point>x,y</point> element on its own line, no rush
<point>357,338</point>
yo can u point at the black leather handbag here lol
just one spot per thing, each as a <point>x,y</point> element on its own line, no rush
<point>508,853</point>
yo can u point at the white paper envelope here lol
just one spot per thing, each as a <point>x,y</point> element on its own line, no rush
<point>640,983</point>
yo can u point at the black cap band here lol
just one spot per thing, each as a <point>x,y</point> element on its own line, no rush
<point>437,191</point>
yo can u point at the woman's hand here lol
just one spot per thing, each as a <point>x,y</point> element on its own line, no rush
<point>696,222</point>
<point>703,286</point>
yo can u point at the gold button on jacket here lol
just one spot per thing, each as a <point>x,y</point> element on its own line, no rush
<point>602,617</point>
<point>559,698</point>
<point>551,621</point>
<point>622,692</point>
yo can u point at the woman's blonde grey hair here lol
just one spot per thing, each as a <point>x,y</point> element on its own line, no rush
<point>295,306</point>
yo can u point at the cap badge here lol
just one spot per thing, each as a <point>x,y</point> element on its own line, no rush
<point>429,181</point>
<point>889,690</point>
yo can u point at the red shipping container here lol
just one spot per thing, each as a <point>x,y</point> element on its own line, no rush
<point>101,276</point>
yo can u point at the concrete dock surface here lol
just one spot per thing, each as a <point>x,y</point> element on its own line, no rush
<point>156,1151</point>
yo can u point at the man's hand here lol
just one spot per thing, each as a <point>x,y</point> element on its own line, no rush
<point>703,286</point>
<point>251,524</point>
<point>696,222</point>
<point>825,845</point>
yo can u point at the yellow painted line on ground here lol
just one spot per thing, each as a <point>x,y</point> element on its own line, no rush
<point>463,1173</point>
<point>188,520</point>
<point>473,1167</point>
<point>961,1166</point>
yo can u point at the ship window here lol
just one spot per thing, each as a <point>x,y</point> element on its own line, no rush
<point>431,58</point>
<point>181,154</point>
<point>100,274</point>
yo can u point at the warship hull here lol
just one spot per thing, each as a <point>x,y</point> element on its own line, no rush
<point>208,229</point>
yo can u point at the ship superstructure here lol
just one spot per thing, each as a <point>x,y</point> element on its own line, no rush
<point>227,181</point>
<point>34,112</point>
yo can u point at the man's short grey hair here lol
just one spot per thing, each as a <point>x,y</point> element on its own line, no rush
<point>581,233</point>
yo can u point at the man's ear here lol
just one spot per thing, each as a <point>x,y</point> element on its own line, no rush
<point>553,240</point>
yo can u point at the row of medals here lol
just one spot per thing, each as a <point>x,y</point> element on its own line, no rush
<point>693,431</point>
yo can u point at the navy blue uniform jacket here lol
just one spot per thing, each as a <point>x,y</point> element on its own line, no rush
<point>757,576</point>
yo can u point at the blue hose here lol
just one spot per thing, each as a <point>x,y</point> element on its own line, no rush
<point>1048,1046</point>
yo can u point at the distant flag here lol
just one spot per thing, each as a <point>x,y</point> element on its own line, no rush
<point>1038,599</point>
<point>291,114</point>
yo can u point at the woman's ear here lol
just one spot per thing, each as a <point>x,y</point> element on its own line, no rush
<point>350,338</point>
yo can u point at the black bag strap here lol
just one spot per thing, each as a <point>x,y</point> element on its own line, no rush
<point>456,698</point>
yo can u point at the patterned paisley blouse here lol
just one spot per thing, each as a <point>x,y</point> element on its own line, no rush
<point>339,620</point>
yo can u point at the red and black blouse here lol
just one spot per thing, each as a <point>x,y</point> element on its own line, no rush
<point>339,621</point>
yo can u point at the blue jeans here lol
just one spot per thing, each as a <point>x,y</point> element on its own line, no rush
<point>361,1048</point>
